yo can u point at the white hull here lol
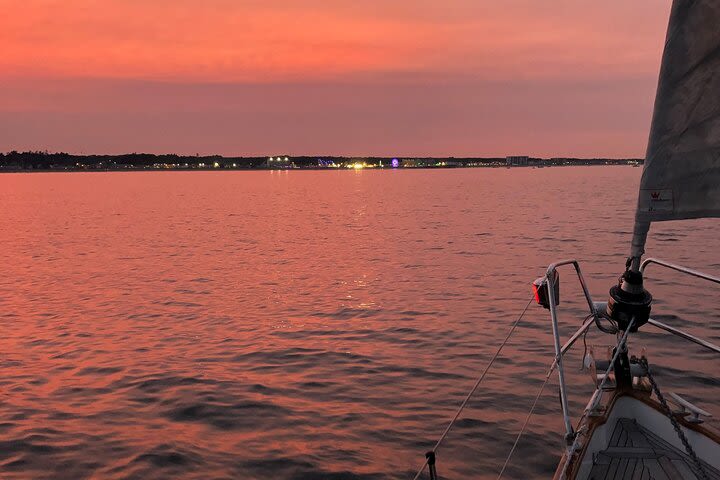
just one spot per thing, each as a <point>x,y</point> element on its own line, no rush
<point>635,440</point>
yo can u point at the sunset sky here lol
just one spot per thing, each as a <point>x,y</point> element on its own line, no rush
<point>374,77</point>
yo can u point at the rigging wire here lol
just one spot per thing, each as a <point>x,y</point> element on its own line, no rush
<point>472,391</point>
<point>525,423</point>
<point>585,347</point>
<point>619,347</point>
<point>612,330</point>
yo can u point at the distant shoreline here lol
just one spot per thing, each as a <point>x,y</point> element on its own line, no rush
<point>298,169</point>
<point>26,162</point>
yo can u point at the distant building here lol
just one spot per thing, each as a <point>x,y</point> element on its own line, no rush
<point>422,162</point>
<point>281,161</point>
<point>412,162</point>
<point>517,161</point>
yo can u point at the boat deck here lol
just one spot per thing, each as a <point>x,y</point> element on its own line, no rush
<point>636,453</point>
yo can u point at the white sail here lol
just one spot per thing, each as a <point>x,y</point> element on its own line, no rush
<point>681,175</point>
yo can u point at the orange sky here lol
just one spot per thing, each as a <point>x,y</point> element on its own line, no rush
<point>375,77</point>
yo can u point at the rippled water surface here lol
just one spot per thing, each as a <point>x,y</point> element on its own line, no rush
<point>312,324</point>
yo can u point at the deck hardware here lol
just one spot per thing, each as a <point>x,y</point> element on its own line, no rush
<point>687,408</point>
<point>628,300</point>
<point>593,407</point>
<point>431,464</point>
<point>541,286</point>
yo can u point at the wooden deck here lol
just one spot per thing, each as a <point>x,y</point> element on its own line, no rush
<point>635,453</point>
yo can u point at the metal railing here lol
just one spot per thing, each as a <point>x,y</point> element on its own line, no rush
<point>559,351</point>
<point>595,308</point>
<point>693,273</point>
<point>685,335</point>
<point>678,268</point>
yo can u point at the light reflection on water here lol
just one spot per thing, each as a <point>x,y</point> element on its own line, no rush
<point>311,324</point>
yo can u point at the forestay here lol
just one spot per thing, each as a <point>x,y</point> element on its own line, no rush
<point>681,176</point>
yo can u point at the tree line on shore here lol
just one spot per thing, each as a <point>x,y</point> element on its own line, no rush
<point>44,160</point>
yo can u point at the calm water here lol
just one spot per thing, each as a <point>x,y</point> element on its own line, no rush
<point>320,325</point>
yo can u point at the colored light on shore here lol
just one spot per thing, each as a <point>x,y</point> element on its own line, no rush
<point>358,166</point>
<point>395,163</point>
